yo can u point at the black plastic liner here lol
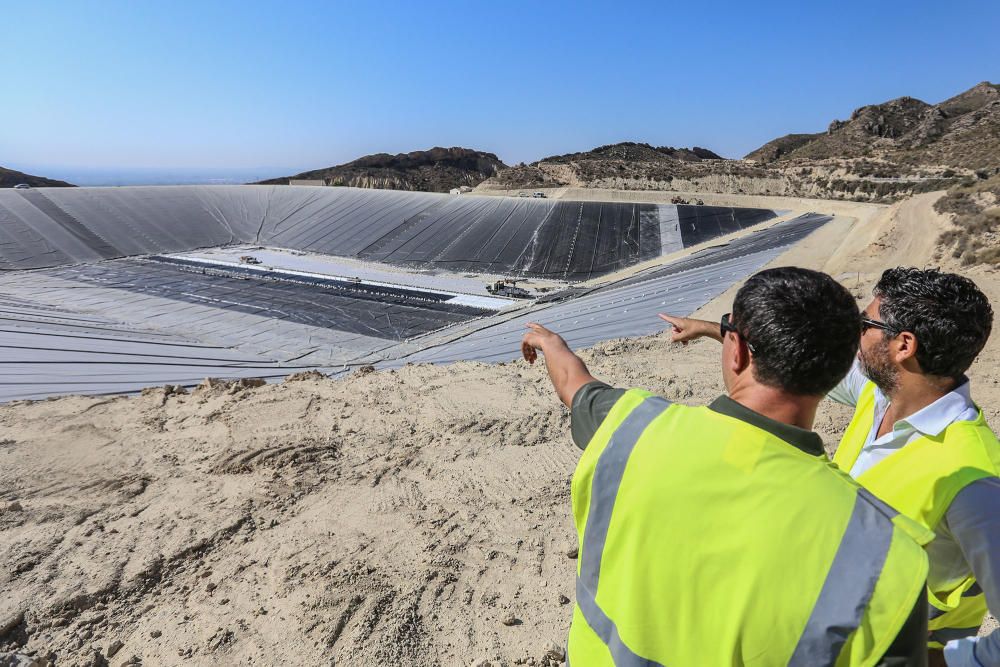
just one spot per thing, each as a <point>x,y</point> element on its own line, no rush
<point>353,286</point>
<point>573,241</point>
<point>71,225</point>
<point>388,314</point>
<point>507,236</point>
<point>778,236</point>
<point>704,223</point>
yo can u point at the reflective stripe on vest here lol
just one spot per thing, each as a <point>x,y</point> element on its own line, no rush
<point>844,596</point>
<point>607,478</point>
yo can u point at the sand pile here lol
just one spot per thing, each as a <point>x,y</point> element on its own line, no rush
<point>418,516</point>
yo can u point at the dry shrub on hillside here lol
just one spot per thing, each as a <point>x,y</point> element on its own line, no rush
<point>975,210</point>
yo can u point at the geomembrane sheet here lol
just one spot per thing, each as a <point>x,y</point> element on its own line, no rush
<point>626,307</point>
<point>518,237</point>
<point>390,314</point>
<point>123,325</point>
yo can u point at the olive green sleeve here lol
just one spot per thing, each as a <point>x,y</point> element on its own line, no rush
<point>591,404</point>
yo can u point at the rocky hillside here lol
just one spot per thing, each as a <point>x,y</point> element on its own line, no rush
<point>974,208</point>
<point>435,170</point>
<point>614,162</point>
<point>9,178</point>
<point>634,152</point>
<point>882,153</point>
<point>961,133</point>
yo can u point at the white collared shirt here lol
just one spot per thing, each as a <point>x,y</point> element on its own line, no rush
<point>968,537</point>
<point>954,406</point>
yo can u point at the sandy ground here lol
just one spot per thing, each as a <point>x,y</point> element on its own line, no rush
<point>411,517</point>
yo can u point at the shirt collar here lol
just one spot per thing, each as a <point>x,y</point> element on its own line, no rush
<point>808,441</point>
<point>932,419</point>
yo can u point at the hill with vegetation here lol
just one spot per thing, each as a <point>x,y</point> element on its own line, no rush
<point>434,170</point>
<point>883,152</point>
<point>605,165</point>
<point>961,133</point>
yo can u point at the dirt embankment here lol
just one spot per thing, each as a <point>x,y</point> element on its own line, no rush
<point>410,517</point>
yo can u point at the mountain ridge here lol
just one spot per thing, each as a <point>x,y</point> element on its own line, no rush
<point>883,152</point>
<point>960,132</point>
<point>435,170</point>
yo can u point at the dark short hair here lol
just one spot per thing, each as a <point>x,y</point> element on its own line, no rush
<point>950,317</point>
<point>804,328</point>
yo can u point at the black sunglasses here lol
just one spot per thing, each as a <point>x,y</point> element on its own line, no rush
<point>726,325</point>
<point>868,323</point>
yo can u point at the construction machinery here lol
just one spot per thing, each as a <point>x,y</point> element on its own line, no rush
<point>508,288</point>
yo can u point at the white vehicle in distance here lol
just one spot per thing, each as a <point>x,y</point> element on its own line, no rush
<point>523,194</point>
<point>539,195</point>
<point>22,186</point>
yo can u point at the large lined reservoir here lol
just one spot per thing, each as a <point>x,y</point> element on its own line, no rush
<point>109,290</point>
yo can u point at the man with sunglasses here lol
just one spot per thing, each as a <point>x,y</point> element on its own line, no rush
<point>919,442</point>
<point>720,534</point>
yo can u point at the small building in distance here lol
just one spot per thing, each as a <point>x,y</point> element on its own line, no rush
<point>460,190</point>
<point>306,181</point>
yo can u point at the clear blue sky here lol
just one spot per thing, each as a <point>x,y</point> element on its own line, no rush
<point>309,84</point>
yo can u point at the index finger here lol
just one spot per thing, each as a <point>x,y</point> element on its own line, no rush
<point>670,318</point>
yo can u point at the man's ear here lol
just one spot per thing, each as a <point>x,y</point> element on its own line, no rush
<point>739,354</point>
<point>904,348</point>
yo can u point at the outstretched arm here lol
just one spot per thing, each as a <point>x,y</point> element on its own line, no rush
<point>567,371</point>
<point>686,329</point>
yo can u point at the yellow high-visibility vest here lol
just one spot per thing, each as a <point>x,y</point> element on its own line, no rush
<point>920,480</point>
<point>705,540</point>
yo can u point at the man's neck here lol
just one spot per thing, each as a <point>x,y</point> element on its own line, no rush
<point>775,404</point>
<point>913,394</point>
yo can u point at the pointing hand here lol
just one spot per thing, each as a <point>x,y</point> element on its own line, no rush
<point>683,329</point>
<point>536,339</point>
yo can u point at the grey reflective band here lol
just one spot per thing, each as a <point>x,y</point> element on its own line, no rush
<point>608,473</point>
<point>945,635</point>
<point>974,590</point>
<point>849,584</point>
<point>606,629</point>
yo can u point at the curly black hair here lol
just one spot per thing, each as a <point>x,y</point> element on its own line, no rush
<point>804,328</point>
<point>949,316</point>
